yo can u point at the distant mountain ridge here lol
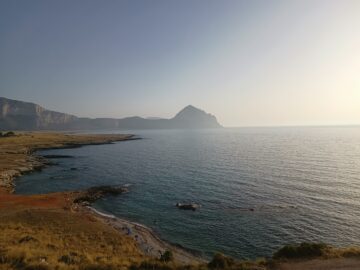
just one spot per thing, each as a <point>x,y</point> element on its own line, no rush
<point>20,115</point>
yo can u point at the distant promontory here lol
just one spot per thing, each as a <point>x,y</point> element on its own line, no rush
<point>20,115</point>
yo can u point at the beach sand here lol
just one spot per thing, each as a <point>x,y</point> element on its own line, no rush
<point>148,241</point>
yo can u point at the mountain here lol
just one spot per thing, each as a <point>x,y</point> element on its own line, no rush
<point>20,115</point>
<point>191,117</point>
<point>16,114</point>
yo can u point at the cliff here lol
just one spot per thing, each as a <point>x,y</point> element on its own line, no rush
<point>16,114</point>
<point>19,115</point>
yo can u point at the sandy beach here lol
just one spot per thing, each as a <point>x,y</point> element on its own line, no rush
<point>149,243</point>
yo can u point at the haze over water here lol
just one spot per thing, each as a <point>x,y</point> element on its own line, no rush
<point>302,183</point>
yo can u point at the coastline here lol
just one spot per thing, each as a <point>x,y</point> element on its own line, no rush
<point>21,159</point>
<point>148,241</point>
<point>62,231</point>
<point>18,158</point>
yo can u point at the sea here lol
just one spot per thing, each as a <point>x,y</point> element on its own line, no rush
<point>259,188</point>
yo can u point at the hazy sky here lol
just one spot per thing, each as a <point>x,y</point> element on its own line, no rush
<point>247,62</point>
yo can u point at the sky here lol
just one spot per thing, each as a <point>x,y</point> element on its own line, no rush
<point>250,63</point>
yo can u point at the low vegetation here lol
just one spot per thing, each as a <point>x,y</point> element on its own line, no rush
<point>218,262</point>
<point>315,250</point>
<point>167,256</point>
<point>301,251</point>
<point>53,239</point>
<point>7,134</point>
<point>47,240</point>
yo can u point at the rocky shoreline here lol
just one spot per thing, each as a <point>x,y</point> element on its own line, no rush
<point>24,160</point>
<point>148,241</point>
<point>20,158</point>
<point>62,231</point>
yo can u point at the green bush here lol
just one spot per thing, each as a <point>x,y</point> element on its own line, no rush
<point>304,250</point>
<point>36,267</point>
<point>7,134</point>
<point>151,265</point>
<point>220,261</point>
<point>167,256</point>
<point>97,267</point>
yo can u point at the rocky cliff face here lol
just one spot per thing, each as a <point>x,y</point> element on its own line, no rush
<point>25,115</point>
<point>19,115</point>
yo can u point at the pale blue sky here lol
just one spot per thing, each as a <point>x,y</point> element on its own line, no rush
<point>247,62</point>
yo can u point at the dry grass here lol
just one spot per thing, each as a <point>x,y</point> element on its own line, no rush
<point>59,239</point>
<point>41,231</point>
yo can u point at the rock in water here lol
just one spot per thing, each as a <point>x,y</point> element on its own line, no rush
<point>187,206</point>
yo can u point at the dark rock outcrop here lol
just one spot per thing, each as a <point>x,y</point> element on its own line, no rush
<point>187,206</point>
<point>95,193</point>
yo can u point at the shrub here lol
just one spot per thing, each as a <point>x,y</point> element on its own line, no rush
<point>66,259</point>
<point>15,260</point>
<point>97,267</point>
<point>220,261</point>
<point>7,134</point>
<point>348,252</point>
<point>151,265</point>
<point>36,267</point>
<point>167,256</point>
<point>304,250</point>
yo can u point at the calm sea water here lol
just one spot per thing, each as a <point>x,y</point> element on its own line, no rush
<point>303,184</point>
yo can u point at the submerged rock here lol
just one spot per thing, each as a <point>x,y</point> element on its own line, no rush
<point>187,206</point>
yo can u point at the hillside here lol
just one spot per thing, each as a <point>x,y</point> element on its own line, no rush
<point>19,115</point>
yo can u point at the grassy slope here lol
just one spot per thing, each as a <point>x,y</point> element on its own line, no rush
<point>62,239</point>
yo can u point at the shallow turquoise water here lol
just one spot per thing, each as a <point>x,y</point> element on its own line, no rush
<point>303,184</point>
